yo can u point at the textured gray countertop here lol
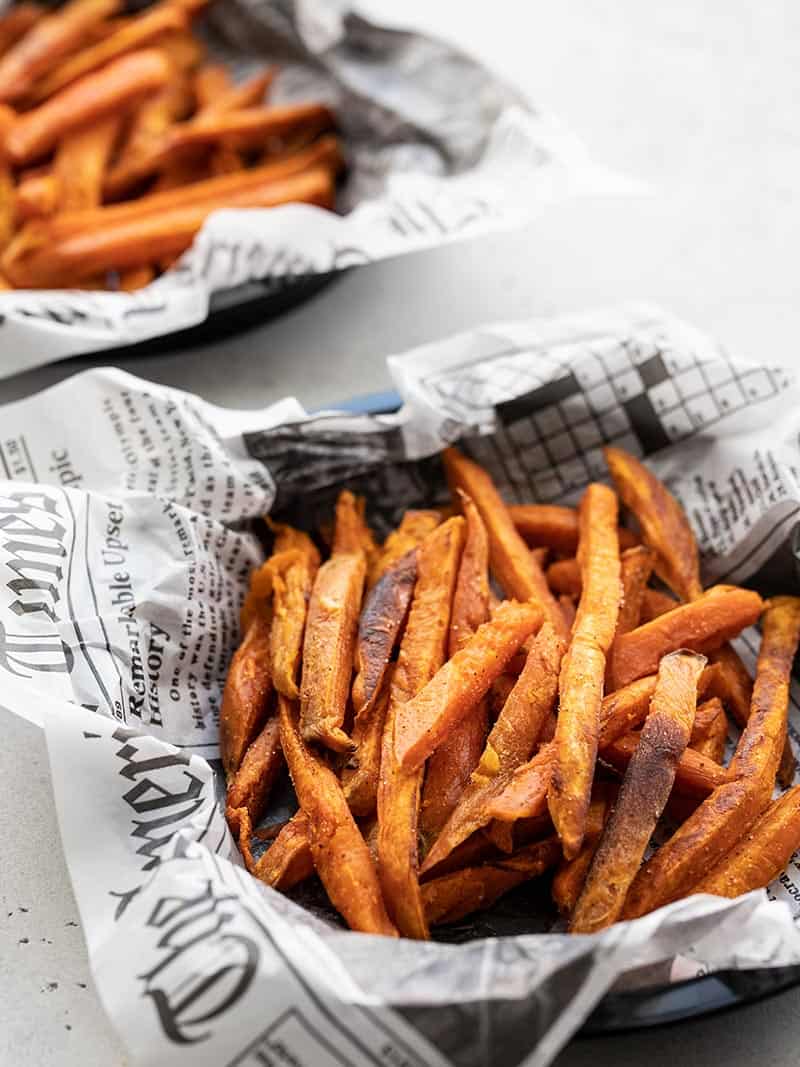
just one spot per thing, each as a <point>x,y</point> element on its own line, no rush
<point>699,100</point>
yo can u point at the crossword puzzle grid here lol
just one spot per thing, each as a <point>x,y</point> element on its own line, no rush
<point>637,395</point>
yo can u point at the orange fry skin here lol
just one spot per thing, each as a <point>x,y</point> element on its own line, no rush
<point>250,787</point>
<point>92,98</point>
<point>351,533</point>
<point>36,196</point>
<point>721,820</point>
<point>524,796</point>
<point>425,720</point>
<point>341,856</point>
<point>655,603</point>
<point>291,590</point>
<point>662,519</point>
<point>245,698</point>
<point>454,761</point>
<point>696,776</point>
<point>422,652</point>
<point>328,649</point>
<point>413,529</point>
<point>80,163</point>
<point>761,854</point>
<point>571,874</point>
<point>361,774</point>
<point>702,626</point>
<point>511,561</point>
<point>16,22</point>
<point>584,666</point>
<point>710,732</point>
<point>636,566</point>
<point>453,896</point>
<point>556,527</point>
<point>288,860</point>
<point>643,796</point>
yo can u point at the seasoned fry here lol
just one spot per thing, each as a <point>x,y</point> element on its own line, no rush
<point>422,652</point>
<point>294,572</point>
<point>91,98</point>
<point>568,610</point>
<point>80,163</point>
<point>710,731</point>
<point>157,114</point>
<point>351,533</point>
<point>636,566</point>
<point>288,860</point>
<point>382,617</point>
<point>703,626</point>
<point>16,22</point>
<point>414,528</point>
<point>556,527</point>
<point>340,854</point>
<point>452,896</point>
<point>245,699</point>
<point>663,522</point>
<point>715,827</point>
<point>696,776</point>
<point>564,577</point>
<point>133,34</point>
<point>328,649</point>
<point>580,684</point>
<point>8,206</point>
<point>525,794</point>
<point>36,196</point>
<point>425,720</point>
<point>129,244</point>
<point>250,787</point>
<point>248,94</point>
<point>511,561</point>
<point>47,41</point>
<point>361,774</point>
<point>655,603</point>
<point>136,278</point>
<point>510,743</point>
<point>761,854</point>
<point>645,790</point>
<point>456,758</point>
<point>211,82</point>
<point>571,874</point>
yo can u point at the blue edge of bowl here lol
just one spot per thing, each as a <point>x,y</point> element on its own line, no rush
<point>657,1005</point>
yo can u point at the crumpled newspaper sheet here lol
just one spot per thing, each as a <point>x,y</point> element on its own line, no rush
<point>438,150</point>
<point>124,557</point>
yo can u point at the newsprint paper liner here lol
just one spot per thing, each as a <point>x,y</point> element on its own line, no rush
<point>438,149</point>
<point>127,532</point>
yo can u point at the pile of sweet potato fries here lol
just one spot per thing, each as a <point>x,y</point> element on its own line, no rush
<point>118,138</point>
<point>446,745</point>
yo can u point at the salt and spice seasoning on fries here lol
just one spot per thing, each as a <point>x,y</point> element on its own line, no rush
<point>447,745</point>
<point>118,138</point>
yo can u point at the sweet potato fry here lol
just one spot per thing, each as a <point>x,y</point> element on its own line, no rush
<point>328,649</point>
<point>715,827</point>
<point>132,35</point>
<point>413,529</point>
<point>80,162</point>
<point>571,874</point>
<point>663,522</point>
<point>340,854</point>
<point>36,196</point>
<point>524,796</point>
<point>382,617</point>
<point>568,610</point>
<point>645,790</point>
<point>136,278</point>
<point>288,859</point>
<point>556,527</point>
<point>47,41</point>
<point>456,758</point>
<point>696,776</point>
<point>245,699</point>
<point>351,533</point>
<point>510,743</point>
<point>211,82</point>
<point>8,205</point>
<point>636,566</point>
<point>710,731</point>
<point>129,244</point>
<point>580,684</point>
<point>292,584</point>
<point>564,577</point>
<point>157,113</point>
<point>16,22</point>
<point>90,99</point>
<point>511,561</point>
<point>655,603</point>
<point>761,854</point>
<point>250,787</point>
<point>425,720</point>
<point>422,652</point>
<point>361,774</point>
<point>500,691</point>
<point>453,896</point>
<point>702,626</point>
<point>247,94</point>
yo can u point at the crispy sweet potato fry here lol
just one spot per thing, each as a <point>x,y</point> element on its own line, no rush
<point>702,626</point>
<point>157,113</point>
<point>133,34</point>
<point>663,522</point>
<point>292,583</point>
<point>422,652</point>
<point>568,610</point>
<point>511,562</point>
<point>94,97</point>
<point>564,577</point>
<point>510,743</point>
<point>710,731</point>
<point>382,617</point>
<point>414,528</point>
<point>761,854</point>
<point>571,874</point>
<point>524,796</point>
<point>80,162</point>
<point>696,776</point>
<point>425,720</point>
<point>351,533</point>
<point>715,827</point>
<point>452,896</point>
<point>47,41</point>
<point>288,860</point>
<point>250,787</point>
<point>341,856</point>
<point>16,22</point>
<point>247,94</point>
<point>556,527</point>
<point>36,196</point>
<point>328,649</point>
<point>129,244</point>
<point>645,790</point>
<point>655,603</point>
<point>580,684</point>
<point>245,700</point>
<point>8,205</point>
<point>211,82</point>
<point>361,774</point>
<point>636,566</point>
<point>456,758</point>
<point>136,278</point>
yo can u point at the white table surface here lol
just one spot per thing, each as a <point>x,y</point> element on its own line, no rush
<point>698,99</point>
